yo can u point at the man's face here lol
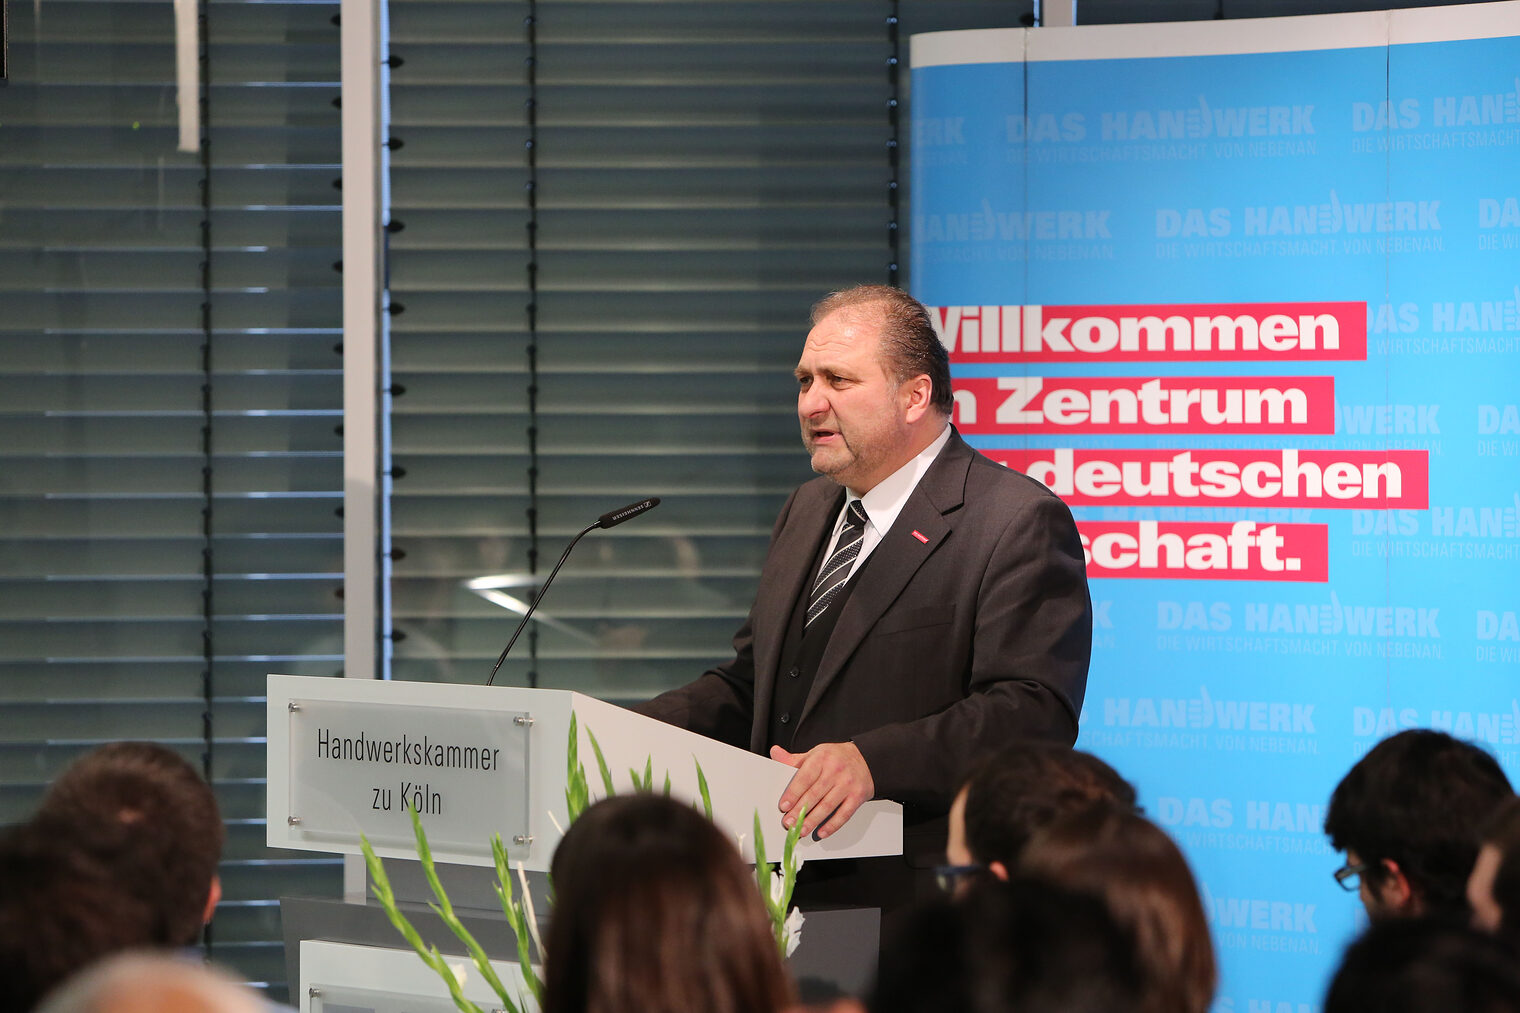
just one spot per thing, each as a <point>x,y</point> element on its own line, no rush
<point>854,416</point>
<point>1480,890</point>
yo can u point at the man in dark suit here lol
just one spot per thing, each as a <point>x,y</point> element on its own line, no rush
<point>920,606</point>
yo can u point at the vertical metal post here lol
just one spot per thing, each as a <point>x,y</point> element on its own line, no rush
<point>362,212</point>
<point>530,147</point>
<point>208,558</point>
<point>362,220</point>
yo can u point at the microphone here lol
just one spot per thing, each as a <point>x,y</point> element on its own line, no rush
<point>610,519</point>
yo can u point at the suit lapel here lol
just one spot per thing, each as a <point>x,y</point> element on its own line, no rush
<point>895,560</point>
<point>815,510</point>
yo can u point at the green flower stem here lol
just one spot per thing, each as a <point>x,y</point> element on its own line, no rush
<point>445,910</point>
<point>381,885</point>
<point>517,916</point>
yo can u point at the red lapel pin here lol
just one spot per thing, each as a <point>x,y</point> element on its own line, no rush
<point>921,536</point>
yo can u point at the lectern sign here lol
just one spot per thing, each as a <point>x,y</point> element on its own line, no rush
<point>358,767</point>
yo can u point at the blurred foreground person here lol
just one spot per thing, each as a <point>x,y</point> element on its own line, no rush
<point>1493,889</point>
<point>61,909</point>
<point>122,854</point>
<point>143,983</point>
<point>172,836</point>
<point>1408,816</point>
<point>1425,965</point>
<point>1012,795</point>
<point>1137,871</point>
<point>1024,946</point>
<point>655,912</point>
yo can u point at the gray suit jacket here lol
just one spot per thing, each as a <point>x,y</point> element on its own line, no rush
<point>971,629</point>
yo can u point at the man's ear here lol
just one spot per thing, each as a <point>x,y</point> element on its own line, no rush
<point>213,898</point>
<point>998,870</point>
<point>1395,891</point>
<point>918,395</point>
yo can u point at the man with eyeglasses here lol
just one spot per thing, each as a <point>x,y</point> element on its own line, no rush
<point>1408,816</point>
<point>1014,794</point>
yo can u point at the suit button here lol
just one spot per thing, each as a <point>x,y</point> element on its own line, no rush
<point>786,718</point>
<point>794,673</point>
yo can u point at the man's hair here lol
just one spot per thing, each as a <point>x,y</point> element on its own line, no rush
<point>655,911</point>
<point>1425,965</point>
<point>149,983</point>
<point>1027,786</point>
<point>61,909</point>
<point>170,857</point>
<point>909,344</point>
<point>1024,946</point>
<point>1419,798</point>
<point>1136,869</point>
<point>1502,833</point>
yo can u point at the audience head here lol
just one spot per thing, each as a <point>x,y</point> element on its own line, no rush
<point>1020,790</point>
<point>1425,965</point>
<point>1131,864</point>
<point>1493,889</point>
<point>655,912</point>
<point>61,908</point>
<point>1408,817</point>
<point>170,855</point>
<point>143,983</point>
<point>1024,946</point>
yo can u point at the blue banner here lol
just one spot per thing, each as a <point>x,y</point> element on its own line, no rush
<point>1256,316</point>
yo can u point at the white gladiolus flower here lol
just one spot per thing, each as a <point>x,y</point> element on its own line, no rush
<point>793,929</point>
<point>778,887</point>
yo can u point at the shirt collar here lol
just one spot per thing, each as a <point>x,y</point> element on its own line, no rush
<point>886,499</point>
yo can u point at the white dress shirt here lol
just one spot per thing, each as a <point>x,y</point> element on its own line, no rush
<point>885,501</point>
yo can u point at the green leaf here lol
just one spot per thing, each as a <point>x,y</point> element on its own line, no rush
<point>789,864</point>
<point>667,784</point>
<point>762,867</point>
<point>702,788</point>
<point>649,773</point>
<point>601,765</point>
<point>576,792</point>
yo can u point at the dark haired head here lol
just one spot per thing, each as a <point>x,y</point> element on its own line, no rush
<point>909,344</point>
<point>169,857</point>
<point>1425,965</point>
<point>1135,868</point>
<point>655,912</point>
<point>61,909</point>
<point>1411,811</point>
<point>1019,947</point>
<point>1025,787</point>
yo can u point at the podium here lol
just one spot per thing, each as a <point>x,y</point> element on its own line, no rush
<point>349,756</point>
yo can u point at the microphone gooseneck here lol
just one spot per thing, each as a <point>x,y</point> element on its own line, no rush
<point>607,520</point>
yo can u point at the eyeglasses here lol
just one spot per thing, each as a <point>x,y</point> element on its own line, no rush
<point>949,877</point>
<point>1348,877</point>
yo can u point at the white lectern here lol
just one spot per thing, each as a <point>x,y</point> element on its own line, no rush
<point>349,756</point>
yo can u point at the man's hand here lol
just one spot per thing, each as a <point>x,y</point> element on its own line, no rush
<point>831,778</point>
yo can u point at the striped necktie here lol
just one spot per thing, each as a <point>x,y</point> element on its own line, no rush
<point>836,571</point>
